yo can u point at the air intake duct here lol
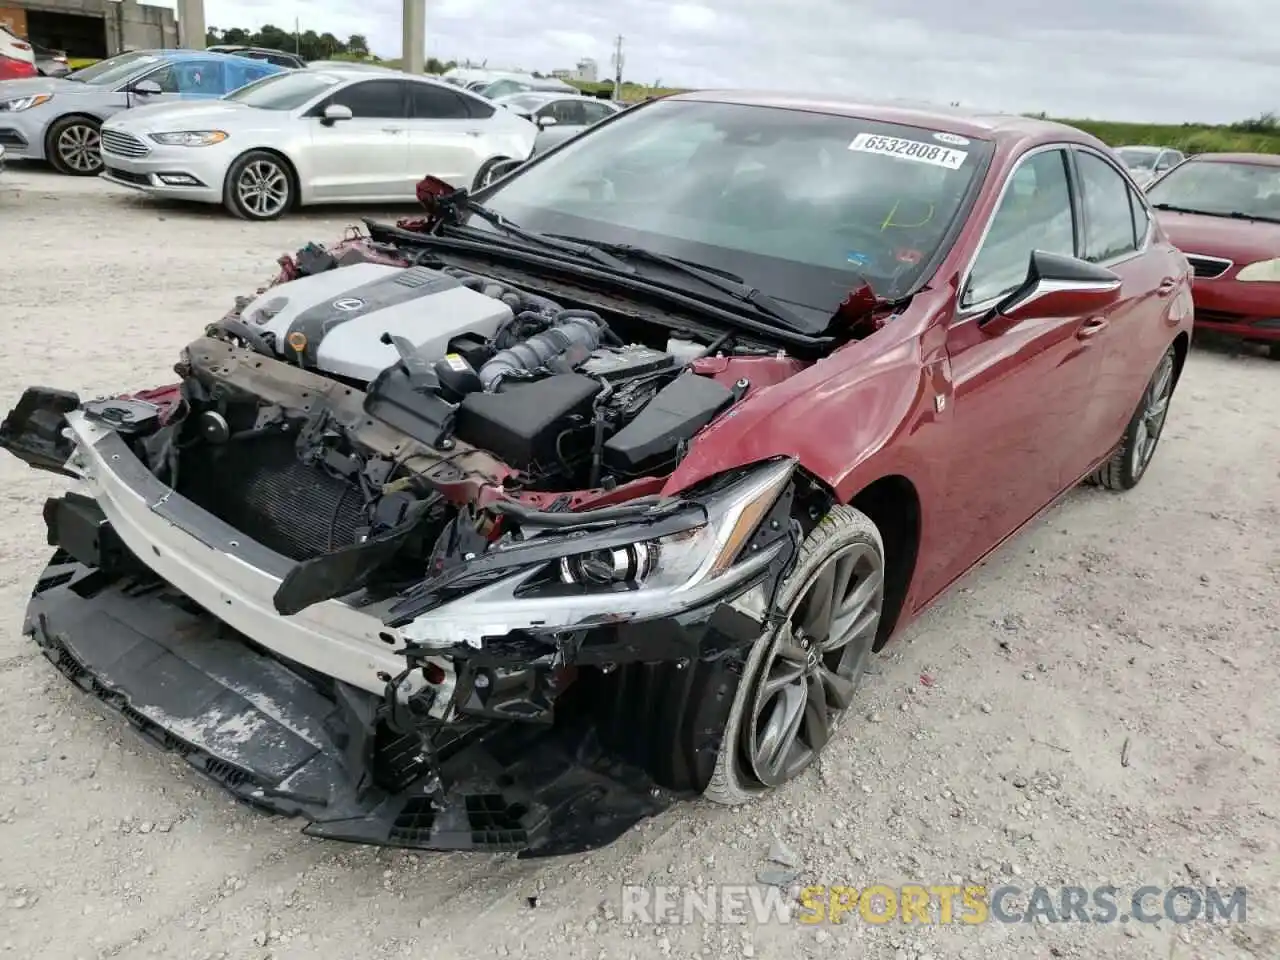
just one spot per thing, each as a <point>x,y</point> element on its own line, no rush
<point>574,334</point>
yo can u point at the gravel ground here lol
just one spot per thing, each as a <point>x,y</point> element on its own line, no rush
<point>1096,705</point>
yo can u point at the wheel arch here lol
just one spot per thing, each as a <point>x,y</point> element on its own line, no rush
<point>69,115</point>
<point>892,502</point>
<point>1181,347</point>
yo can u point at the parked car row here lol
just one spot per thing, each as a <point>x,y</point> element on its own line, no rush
<point>261,133</point>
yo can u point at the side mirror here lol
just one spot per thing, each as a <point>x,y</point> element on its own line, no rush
<point>335,112</point>
<point>148,88</point>
<point>544,122</point>
<point>1056,286</point>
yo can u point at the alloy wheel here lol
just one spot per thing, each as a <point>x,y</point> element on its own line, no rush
<point>79,147</point>
<point>814,665</point>
<point>1155,408</point>
<point>263,188</point>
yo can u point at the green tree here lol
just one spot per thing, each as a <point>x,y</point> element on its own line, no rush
<point>357,45</point>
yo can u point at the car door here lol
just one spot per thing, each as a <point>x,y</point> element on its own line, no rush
<point>367,156</point>
<point>446,140</point>
<point>1018,394</point>
<point>1117,234</point>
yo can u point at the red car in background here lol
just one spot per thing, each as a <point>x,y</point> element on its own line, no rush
<point>17,59</point>
<point>1223,211</point>
<point>825,356</point>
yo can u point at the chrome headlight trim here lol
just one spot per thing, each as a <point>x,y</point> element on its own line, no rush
<point>703,563</point>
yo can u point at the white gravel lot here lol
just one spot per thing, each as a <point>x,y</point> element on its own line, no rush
<point>1147,620</point>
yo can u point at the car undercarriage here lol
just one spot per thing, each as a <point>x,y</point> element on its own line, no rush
<point>398,554</point>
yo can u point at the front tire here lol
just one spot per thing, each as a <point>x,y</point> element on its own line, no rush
<point>74,146</point>
<point>799,682</point>
<point>259,186</point>
<point>1128,465</point>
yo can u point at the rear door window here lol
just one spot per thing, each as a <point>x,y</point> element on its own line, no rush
<point>437,103</point>
<point>1108,216</point>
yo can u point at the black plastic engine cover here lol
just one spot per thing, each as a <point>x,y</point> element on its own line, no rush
<point>680,409</point>
<point>520,424</point>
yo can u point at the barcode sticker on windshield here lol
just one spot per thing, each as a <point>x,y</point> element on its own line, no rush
<point>916,150</point>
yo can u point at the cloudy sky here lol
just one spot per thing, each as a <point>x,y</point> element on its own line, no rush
<point>1157,60</point>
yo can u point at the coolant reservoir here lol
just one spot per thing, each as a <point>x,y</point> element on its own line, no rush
<point>685,351</point>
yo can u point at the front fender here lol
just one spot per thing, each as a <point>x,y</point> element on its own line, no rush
<point>849,419</point>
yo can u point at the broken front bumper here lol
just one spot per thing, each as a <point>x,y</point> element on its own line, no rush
<point>260,729</point>
<point>164,613</point>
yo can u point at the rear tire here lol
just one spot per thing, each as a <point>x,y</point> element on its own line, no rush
<point>259,186</point>
<point>73,146</point>
<point>800,673</point>
<point>1128,465</point>
<point>484,176</point>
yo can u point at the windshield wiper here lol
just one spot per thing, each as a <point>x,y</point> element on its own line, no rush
<point>1174,208</point>
<point>1241,215</point>
<point>540,239</point>
<point>1225,214</point>
<point>734,286</point>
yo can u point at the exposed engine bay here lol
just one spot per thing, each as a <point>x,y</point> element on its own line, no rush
<point>369,399</point>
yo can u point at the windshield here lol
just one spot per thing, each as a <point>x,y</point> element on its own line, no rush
<point>283,91</point>
<point>1138,158</point>
<point>1215,187</point>
<point>113,70</point>
<point>797,204</point>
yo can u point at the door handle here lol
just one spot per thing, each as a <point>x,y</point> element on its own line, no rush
<point>1091,328</point>
<point>474,133</point>
<point>391,129</point>
<point>1167,286</point>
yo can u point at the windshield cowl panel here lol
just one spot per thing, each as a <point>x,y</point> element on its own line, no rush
<point>1221,189</point>
<point>802,206</point>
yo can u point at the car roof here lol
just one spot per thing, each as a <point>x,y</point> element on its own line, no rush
<point>1260,159</point>
<point>977,124</point>
<point>546,95</point>
<point>352,66</point>
<point>183,54</point>
<point>1145,148</point>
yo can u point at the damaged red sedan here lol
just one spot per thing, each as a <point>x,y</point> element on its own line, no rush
<point>507,527</point>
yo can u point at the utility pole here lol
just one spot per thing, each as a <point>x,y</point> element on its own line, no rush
<point>618,60</point>
<point>297,35</point>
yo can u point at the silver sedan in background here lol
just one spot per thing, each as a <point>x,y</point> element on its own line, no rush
<point>558,116</point>
<point>314,136</point>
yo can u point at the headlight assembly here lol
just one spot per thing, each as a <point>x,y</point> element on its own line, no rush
<point>1267,271</point>
<point>25,103</point>
<point>190,138</point>
<point>706,556</point>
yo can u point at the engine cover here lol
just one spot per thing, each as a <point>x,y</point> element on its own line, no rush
<point>342,314</point>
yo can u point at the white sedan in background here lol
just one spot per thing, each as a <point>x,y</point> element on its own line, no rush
<point>313,136</point>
